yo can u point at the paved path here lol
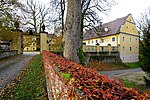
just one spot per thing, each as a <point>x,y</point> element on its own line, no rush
<point>112,74</point>
<point>9,69</point>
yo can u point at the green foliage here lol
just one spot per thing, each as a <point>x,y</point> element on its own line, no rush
<point>32,86</point>
<point>133,65</point>
<point>145,45</point>
<point>81,56</point>
<point>7,17</point>
<point>66,76</point>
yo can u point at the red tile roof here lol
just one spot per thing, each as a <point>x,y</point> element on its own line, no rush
<point>113,28</point>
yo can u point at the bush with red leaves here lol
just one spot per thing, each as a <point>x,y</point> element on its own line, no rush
<point>89,84</point>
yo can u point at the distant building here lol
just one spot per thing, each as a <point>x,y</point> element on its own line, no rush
<point>31,42</point>
<point>119,35</point>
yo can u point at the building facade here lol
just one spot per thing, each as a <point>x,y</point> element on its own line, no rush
<point>30,42</point>
<point>119,35</point>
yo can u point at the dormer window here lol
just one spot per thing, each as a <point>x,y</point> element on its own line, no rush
<point>106,29</point>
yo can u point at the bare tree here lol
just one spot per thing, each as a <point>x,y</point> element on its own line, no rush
<point>34,14</point>
<point>89,17</point>
<point>91,10</point>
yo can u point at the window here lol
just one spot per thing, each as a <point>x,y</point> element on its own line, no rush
<point>130,48</point>
<point>96,41</point>
<point>122,38</point>
<point>123,58</point>
<point>130,39</point>
<point>92,48</point>
<point>33,44</point>
<point>33,48</point>
<point>136,39</point>
<point>113,39</point>
<point>136,48</point>
<point>123,48</point>
<point>127,27</point>
<point>130,57</point>
<point>92,42</point>
<point>113,48</point>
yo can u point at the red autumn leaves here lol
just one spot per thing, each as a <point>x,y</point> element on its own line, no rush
<point>90,84</point>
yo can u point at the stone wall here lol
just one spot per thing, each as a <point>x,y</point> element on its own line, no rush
<point>7,53</point>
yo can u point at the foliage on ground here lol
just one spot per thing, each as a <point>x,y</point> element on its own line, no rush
<point>99,66</point>
<point>90,84</point>
<point>30,84</point>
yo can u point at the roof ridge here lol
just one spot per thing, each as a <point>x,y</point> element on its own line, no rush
<point>125,17</point>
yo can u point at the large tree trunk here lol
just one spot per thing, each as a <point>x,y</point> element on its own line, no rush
<point>72,31</point>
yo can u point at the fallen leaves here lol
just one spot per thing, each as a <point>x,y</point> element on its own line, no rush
<point>90,83</point>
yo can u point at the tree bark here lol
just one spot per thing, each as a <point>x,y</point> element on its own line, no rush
<point>72,31</point>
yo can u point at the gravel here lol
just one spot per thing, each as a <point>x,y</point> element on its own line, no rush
<point>9,69</point>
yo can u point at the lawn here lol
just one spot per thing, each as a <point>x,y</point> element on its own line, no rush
<point>133,65</point>
<point>32,84</point>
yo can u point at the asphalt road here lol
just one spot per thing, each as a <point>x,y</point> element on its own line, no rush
<point>10,68</point>
<point>112,74</point>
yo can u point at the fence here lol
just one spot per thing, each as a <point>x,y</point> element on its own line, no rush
<point>100,48</point>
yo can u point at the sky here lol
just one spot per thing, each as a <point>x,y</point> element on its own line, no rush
<point>124,7</point>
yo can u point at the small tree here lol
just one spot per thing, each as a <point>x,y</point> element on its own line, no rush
<point>145,46</point>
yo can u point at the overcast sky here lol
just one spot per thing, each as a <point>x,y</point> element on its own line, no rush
<point>124,7</point>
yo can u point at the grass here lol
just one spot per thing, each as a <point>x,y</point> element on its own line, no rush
<point>133,65</point>
<point>140,87</point>
<point>32,85</point>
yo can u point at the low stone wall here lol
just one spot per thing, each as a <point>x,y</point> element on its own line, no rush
<point>82,83</point>
<point>56,87</point>
<point>7,53</point>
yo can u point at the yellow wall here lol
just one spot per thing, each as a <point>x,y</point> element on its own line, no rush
<point>30,42</point>
<point>106,40</point>
<point>129,27</point>
<point>16,42</point>
<point>131,39</point>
